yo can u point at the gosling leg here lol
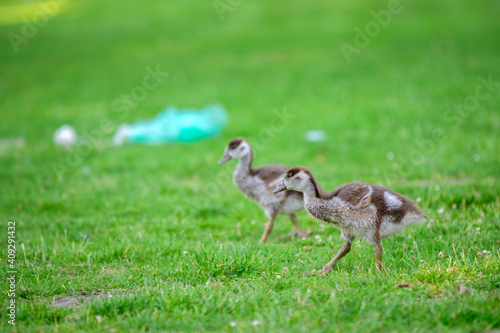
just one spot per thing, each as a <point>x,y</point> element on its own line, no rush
<point>377,252</point>
<point>346,247</point>
<point>268,229</point>
<point>300,233</point>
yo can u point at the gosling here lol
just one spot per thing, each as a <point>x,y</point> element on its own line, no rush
<point>258,184</point>
<point>358,209</point>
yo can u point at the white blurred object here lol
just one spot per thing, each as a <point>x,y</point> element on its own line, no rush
<point>315,135</point>
<point>121,135</point>
<point>65,136</point>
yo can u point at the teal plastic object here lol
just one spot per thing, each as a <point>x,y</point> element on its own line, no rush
<point>179,125</point>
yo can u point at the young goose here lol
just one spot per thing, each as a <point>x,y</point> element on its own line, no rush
<point>358,209</point>
<point>258,184</point>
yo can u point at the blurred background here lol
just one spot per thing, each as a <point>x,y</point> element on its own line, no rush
<point>387,83</point>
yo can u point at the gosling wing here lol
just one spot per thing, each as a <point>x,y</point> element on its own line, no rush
<point>270,174</point>
<point>358,194</point>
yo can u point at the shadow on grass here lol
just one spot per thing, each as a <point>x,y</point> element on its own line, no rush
<point>220,265</point>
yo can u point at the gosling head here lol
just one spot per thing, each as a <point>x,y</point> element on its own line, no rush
<point>236,148</point>
<point>297,179</point>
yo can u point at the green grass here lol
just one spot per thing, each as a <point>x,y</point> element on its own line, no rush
<point>164,226</point>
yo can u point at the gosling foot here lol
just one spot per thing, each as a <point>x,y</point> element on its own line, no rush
<point>321,272</point>
<point>300,234</point>
<point>381,269</point>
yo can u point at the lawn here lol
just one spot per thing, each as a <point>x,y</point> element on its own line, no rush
<point>407,92</point>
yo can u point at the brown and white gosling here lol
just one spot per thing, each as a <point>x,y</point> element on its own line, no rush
<point>358,209</point>
<point>258,185</point>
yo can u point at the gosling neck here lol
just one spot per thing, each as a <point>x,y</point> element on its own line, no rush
<point>244,165</point>
<point>311,191</point>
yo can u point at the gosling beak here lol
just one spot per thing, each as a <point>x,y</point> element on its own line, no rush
<point>224,159</point>
<point>279,188</point>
